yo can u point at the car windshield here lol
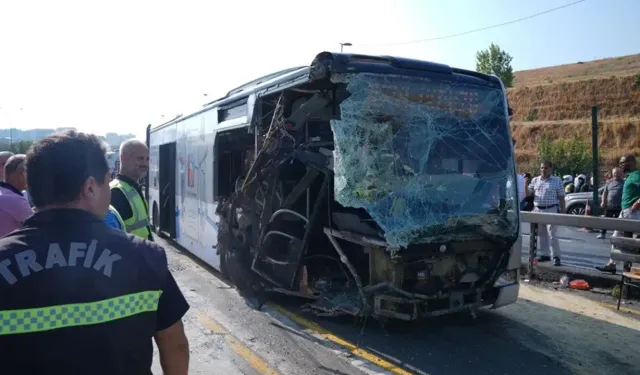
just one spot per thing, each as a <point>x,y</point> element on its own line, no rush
<point>430,160</point>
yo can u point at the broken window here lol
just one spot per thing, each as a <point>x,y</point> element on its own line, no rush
<point>428,160</point>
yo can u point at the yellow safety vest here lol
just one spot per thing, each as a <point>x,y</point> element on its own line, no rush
<point>138,223</point>
<point>117,215</point>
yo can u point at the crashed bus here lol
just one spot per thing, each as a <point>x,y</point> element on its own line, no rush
<point>368,185</point>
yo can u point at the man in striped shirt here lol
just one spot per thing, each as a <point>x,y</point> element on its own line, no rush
<point>548,196</point>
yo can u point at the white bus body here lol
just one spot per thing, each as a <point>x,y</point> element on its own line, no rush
<point>403,170</point>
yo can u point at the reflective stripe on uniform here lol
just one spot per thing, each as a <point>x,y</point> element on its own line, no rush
<point>13,322</point>
<point>138,223</point>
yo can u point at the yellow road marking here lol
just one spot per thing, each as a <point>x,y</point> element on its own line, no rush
<point>353,349</point>
<point>256,362</point>
<point>243,351</point>
<point>622,308</point>
<point>212,325</point>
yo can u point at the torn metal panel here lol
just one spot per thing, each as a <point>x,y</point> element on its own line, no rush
<point>336,303</point>
<point>430,161</point>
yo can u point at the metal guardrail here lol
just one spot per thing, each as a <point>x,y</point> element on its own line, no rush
<point>622,225</point>
<point>581,221</point>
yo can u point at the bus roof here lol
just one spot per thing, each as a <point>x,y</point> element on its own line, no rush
<point>244,90</point>
<point>342,62</point>
<point>262,79</point>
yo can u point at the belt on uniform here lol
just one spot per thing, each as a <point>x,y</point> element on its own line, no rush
<point>545,207</point>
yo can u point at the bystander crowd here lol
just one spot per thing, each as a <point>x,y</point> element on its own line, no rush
<point>630,201</point>
<point>79,297</point>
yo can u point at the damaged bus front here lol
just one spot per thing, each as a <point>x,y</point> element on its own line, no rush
<point>380,186</point>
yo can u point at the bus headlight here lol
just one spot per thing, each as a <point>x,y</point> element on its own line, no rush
<point>507,278</point>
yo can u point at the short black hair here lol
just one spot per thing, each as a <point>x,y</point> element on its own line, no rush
<point>548,163</point>
<point>59,165</point>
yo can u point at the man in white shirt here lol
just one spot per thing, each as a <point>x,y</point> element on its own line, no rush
<point>548,196</point>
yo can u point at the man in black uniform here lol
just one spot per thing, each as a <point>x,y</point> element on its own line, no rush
<point>76,296</point>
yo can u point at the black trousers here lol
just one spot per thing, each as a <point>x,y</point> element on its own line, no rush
<point>611,213</point>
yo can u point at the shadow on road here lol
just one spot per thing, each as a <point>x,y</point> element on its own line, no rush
<point>495,343</point>
<point>525,338</point>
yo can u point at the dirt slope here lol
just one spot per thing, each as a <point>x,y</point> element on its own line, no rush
<point>596,69</point>
<point>557,101</point>
<point>616,97</point>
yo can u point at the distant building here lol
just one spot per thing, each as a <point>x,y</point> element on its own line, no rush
<point>16,135</point>
<point>112,159</point>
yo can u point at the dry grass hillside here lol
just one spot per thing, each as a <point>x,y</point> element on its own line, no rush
<point>604,68</point>
<point>556,102</point>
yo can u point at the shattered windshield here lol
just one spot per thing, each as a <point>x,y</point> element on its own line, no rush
<point>430,160</point>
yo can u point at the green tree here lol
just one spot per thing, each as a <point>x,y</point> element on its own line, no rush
<point>19,147</point>
<point>571,156</point>
<point>494,60</point>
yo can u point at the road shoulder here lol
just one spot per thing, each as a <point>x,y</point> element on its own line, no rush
<point>259,339</point>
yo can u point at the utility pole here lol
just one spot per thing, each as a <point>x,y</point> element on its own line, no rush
<point>594,153</point>
<point>10,127</point>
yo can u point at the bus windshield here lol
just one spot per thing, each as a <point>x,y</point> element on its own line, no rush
<point>430,160</point>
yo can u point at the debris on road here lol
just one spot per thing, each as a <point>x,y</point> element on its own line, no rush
<point>579,284</point>
<point>564,281</point>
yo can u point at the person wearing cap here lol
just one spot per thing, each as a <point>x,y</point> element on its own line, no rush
<point>567,181</point>
<point>630,201</point>
<point>79,297</point>
<point>578,182</point>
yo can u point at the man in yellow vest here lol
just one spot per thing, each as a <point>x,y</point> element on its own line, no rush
<point>126,194</point>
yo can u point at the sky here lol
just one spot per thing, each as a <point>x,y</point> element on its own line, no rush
<point>116,66</point>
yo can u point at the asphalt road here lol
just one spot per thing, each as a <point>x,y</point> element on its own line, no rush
<point>227,336</point>
<point>579,248</point>
<point>545,332</point>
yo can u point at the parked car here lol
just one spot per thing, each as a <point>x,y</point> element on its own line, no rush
<point>576,202</point>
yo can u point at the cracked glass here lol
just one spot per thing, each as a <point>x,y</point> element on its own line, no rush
<point>430,160</point>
